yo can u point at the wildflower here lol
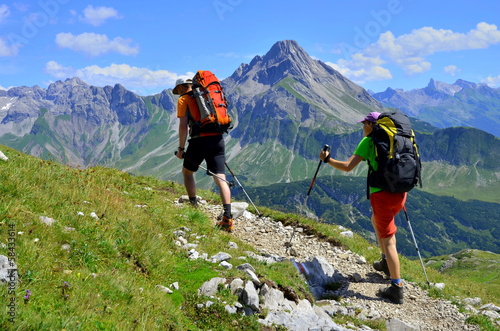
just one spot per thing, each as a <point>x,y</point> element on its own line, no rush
<point>65,290</point>
<point>27,296</point>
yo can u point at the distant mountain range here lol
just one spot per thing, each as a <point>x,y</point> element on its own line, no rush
<point>444,105</point>
<point>286,106</point>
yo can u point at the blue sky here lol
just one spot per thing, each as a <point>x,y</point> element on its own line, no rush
<point>147,45</point>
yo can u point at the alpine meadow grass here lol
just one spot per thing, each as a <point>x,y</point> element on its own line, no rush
<point>110,247</point>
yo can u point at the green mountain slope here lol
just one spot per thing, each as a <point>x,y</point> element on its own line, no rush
<point>474,264</point>
<point>101,272</point>
<point>442,225</point>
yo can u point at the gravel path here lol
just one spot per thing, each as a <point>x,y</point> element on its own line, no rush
<point>360,281</point>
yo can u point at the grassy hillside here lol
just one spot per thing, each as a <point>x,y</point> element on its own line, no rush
<point>101,273</point>
<point>479,266</point>
<point>87,273</point>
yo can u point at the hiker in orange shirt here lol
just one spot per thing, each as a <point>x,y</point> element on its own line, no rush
<point>208,146</point>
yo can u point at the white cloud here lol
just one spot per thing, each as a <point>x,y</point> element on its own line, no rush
<point>95,44</point>
<point>361,68</point>
<point>492,81</point>
<point>97,16</point>
<point>4,12</point>
<point>8,50</point>
<point>409,51</point>
<point>133,78</point>
<point>451,70</point>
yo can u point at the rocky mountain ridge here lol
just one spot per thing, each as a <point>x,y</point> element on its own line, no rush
<point>443,105</point>
<point>77,123</point>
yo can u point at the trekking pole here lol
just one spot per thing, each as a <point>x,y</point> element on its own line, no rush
<point>416,246</point>
<point>230,183</point>
<point>237,181</point>
<point>289,244</point>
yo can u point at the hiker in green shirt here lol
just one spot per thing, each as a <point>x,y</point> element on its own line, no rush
<point>385,206</point>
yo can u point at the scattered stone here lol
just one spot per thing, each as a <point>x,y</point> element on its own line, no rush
<point>231,309</point>
<point>221,256</point>
<point>472,301</point>
<point>164,289</point>
<point>361,260</point>
<point>255,280</point>
<point>236,286</point>
<point>395,324</point>
<point>244,266</point>
<point>490,306</point>
<point>211,287</point>
<point>249,296</point>
<point>348,234</point>
<point>357,277</point>
<point>439,286</point>
<point>226,265</point>
<point>193,254</point>
<point>238,208</point>
<point>47,220</point>
<point>3,157</point>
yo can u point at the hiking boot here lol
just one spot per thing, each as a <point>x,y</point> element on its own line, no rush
<point>393,293</point>
<point>193,201</point>
<point>382,266</point>
<point>226,224</point>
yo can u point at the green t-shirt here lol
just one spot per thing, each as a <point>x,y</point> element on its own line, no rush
<point>366,149</point>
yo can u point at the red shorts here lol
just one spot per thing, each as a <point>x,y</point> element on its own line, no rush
<point>385,206</point>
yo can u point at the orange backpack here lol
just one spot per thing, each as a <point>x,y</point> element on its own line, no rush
<point>212,103</point>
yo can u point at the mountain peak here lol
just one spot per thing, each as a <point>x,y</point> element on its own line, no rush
<point>75,81</point>
<point>284,48</point>
<point>443,87</point>
<point>288,54</point>
<point>286,59</point>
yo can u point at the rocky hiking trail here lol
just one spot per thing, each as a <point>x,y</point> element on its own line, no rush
<point>358,281</point>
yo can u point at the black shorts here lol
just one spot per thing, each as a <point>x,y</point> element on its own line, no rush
<point>211,149</point>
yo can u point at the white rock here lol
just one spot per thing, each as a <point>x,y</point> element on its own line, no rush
<point>3,157</point>
<point>47,220</point>
<point>238,208</point>
<point>164,289</point>
<point>226,265</point>
<point>348,234</point>
<point>439,286</point>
